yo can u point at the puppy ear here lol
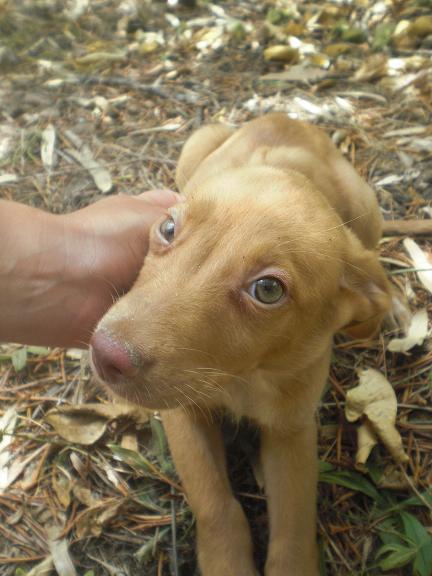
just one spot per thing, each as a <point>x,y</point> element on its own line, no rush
<point>198,147</point>
<point>365,292</point>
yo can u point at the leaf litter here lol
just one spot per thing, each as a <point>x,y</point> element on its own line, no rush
<point>99,97</point>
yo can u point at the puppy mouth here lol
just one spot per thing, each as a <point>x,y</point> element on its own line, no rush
<point>140,393</point>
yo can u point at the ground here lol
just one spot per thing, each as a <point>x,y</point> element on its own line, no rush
<point>97,97</point>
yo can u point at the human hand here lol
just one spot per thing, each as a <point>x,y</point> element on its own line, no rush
<point>63,272</point>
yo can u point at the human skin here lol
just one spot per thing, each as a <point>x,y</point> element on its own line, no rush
<point>60,273</point>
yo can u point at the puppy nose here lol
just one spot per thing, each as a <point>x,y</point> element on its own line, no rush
<point>112,361</point>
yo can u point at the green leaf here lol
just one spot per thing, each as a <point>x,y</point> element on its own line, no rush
<point>160,445</point>
<point>147,550</point>
<point>389,532</point>
<point>19,358</point>
<point>134,459</point>
<point>39,351</point>
<point>89,573</point>
<point>383,35</point>
<point>423,561</point>
<point>399,556</point>
<point>420,537</point>
<point>351,480</point>
<point>324,466</point>
<point>415,531</point>
<point>416,501</point>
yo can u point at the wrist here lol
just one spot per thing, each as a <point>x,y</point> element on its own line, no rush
<point>36,262</point>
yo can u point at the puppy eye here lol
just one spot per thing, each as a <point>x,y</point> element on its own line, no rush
<point>267,290</point>
<point>167,230</point>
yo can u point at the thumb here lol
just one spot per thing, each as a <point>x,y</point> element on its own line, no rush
<point>161,197</point>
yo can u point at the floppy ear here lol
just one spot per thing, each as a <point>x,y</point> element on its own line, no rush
<point>198,147</point>
<point>365,292</point>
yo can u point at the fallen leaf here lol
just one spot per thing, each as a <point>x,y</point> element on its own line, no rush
<point>59,549</point>
<point>7,426</point>
<point>129,440</point>
<point>280,53</point>
<point>100,175</point>
<point>298,73</point>
<point>15,468</point>
<point>75,9</point>
<point>44,568</point>
<point>421,27</point>
<point>101,57</point>
<point>85,496</point>
<point>420,261</point>
<point>8,179</point>
<point>373,68</point>
<point>83,429</point>
<point>86,423</point>
<point>375,400</point>
<point>334,50</point>
<point>92,520</point>
<point>48,153</point>
<point>62,485</point>
<point>366,440</point>
<point>19,358</point>
<point>393,478</point>
<point>416,334</point>
<point>84,156</point>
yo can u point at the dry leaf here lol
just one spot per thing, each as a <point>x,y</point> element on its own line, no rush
<point>420,261</point>
<point>85,496</point>
<point>298,73</point>
<point>101,57</point>
<point>281,53</point>
<point>92,520</point>
<point>109,411</point>
<point>48,154</point>
<point>86,423</point>
<point>393,478</point>
<point>366,440</point>
<point>62,485</point>
<point>60,554</point>
<point>7,426</point>
<point>417,332</point>
<point>84,156</point>
<point>17,467</point>
<point>375,399</point>
<point>373,68</point>
<point>83,429</point>
<point>129,440</point>
<point>8,179</point>
<point>334,50</point>
<point>44,568</point>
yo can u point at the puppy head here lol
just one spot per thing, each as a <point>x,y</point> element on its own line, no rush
<point>245,274</point>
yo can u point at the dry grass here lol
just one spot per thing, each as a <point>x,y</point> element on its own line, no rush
<point>134,98</point>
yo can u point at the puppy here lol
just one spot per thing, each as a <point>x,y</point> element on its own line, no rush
<point>245,284</point>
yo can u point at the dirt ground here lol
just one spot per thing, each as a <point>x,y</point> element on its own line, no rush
<point>98,97</point>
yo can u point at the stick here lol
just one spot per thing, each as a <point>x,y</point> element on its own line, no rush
<point>407,227</point>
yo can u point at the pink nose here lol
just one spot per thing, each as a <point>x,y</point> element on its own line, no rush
<point>111,360</point>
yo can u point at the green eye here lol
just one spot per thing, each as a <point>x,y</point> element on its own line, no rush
<point>267,290</point>
<point>167,230</point>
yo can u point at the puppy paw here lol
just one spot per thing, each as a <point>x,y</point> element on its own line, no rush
<point>399,316</point>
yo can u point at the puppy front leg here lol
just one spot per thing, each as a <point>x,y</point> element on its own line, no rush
<point>224,541</point>
<point>290,477</point>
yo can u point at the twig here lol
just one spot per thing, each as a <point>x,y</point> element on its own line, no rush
<point>408,227</point>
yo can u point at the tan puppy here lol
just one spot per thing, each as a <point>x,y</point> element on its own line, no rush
<point>235,308</point>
